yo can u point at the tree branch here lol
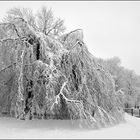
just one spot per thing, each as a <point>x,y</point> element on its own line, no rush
<point>70,33</point>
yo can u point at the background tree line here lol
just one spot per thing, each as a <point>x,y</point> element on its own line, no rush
<point>125,80</point>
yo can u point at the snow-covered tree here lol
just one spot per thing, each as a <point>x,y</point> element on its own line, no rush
<point>45,77</point>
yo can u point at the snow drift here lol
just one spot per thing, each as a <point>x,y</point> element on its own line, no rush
<point>63,129</point>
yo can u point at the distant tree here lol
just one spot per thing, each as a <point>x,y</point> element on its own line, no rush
<point>114,68</point>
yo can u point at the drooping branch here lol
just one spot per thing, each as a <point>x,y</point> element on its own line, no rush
<point>70,33</point>
<point>76,102</point>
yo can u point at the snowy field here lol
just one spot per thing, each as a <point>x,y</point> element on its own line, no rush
<point>12,128</point>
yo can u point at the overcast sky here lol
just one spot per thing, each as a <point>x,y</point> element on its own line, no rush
<point>110,28</point>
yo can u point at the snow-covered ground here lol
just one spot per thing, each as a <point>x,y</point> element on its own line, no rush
<point>12,128</point>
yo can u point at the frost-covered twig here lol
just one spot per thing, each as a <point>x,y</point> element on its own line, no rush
<point>2,84</point>
<point>8,67</point>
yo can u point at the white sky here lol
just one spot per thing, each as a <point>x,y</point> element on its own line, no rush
<point>110,28</point>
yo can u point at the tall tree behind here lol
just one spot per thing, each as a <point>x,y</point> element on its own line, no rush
<point>44,21</point>
<point>47,23</point>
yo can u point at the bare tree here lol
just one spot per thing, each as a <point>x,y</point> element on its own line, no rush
<point>48,24</point>
<point>44,21</point>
